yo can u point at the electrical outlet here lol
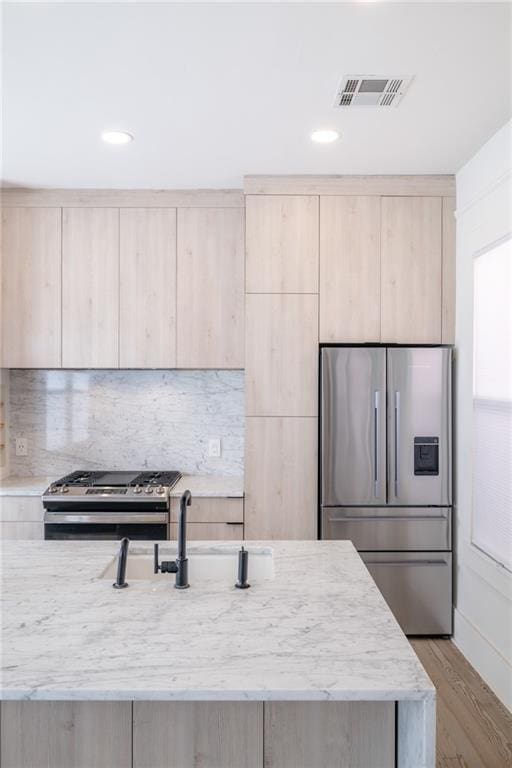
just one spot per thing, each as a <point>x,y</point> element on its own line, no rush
<point>21,446</point>
<point>214,447</point>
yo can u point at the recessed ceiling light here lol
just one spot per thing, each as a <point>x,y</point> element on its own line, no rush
<point>325,135</point>
<point>116,137</point>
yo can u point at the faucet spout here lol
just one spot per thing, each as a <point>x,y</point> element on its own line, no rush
<point>181,560</point>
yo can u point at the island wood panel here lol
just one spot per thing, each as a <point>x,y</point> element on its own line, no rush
<point>31,287</point>
<point>210,510</point>
<point>90,288</point>
<point>349,269</point>
<point>210,531</point>
<point>281,359</point>
<point>147,319</point>
<point>281,244</point>
<point>210,288</point>
<point>66,734</point>
<point>192,734</point>
<point>411,270</point>
<point>281,478</point>
<point>330,734</point>
<point>22,530</point>
<point>448,319</point>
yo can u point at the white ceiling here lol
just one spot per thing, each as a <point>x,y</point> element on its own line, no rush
<point>215,91</point>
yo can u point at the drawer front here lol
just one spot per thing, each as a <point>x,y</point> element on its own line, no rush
<point>21,530</point>
<point>398,529</point>
<point>210,531</point>
<point>417,586</point>
<point>14,509</point>
<point>211,510</point>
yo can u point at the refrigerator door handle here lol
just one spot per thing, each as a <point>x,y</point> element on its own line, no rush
<point>376,444</point>
<point>406,562</point>
<point>397,440</point>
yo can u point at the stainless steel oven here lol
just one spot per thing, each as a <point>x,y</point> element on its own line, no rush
<point>109,505</point>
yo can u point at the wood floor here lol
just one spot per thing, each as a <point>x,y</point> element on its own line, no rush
<point>474,730</point>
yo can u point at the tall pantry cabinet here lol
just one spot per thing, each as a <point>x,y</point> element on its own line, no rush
<point>330,260</point>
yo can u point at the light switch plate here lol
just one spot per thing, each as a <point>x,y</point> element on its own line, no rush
<point>21,446</point>
<point>214,447</point>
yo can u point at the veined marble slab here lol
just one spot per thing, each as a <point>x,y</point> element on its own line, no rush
<point>126,419</point>
<point>319,631</point>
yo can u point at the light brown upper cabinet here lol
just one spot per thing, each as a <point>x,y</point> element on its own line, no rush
<point>147,316</point>
<point>31,287</point>
<point>282,244</point>
<point>210,288</point>
<point>349,269</point>
<point>90,288</point>
<point>281,362</point>
<point>448,322</point>
<point>411,270</point>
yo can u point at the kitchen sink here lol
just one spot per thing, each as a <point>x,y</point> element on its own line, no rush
<point>204,566</point>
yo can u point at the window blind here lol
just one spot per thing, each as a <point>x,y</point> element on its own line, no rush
<point>492,403</point>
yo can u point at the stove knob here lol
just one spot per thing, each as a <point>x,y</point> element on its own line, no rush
<point>160,489</point>
<point>53,489</point>
<point>64,489</point>
<point>148,489</point>
<point>137,489</point>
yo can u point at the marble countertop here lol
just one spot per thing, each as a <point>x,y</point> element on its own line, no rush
<point>320,630</point>
<point>199,485</point>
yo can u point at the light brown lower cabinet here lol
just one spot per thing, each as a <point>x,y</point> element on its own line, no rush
<point>191,734</point>
<point>142,734</point>
<point>21,530</point>
<point>210,531</point>
<point>66,734</point>
<point>330,734</point>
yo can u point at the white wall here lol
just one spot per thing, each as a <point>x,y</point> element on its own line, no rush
<point>483,602</point>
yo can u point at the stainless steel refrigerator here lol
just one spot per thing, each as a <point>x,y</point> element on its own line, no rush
<point>386,473</point>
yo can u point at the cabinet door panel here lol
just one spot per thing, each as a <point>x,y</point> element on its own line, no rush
<point>186,734</point>
<point>210,531</point>
<point>448,270</point>
<point>281,478</point>
<point>90,288</point>
<point>66,734</point>
<point>31,287</point>
<point>324,734</point>
<point>21,530</point>
<point>282,244</point>
<point>281,369</point>
<point>210,288</point>
<point>210,510</point>
<point>411,270</point>
<point>147,334</point>
<point>349,269</point>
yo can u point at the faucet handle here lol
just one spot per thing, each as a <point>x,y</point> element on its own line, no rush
<point>166,566</point>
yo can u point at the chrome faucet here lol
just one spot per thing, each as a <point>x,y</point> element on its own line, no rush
<point>180,565</point>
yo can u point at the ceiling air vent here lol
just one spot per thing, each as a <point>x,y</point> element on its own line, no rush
<point>371,91</point>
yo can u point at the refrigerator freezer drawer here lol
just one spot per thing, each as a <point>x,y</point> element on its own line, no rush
<point>384,528</point>
<point>417,586</point>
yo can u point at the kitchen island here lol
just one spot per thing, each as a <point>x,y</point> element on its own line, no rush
<point>307,667</point>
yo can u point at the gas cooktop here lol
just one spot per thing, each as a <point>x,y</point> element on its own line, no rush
<point>87,484</point>
<point>124,479</point>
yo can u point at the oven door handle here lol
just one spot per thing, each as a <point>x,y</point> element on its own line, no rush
<point>67,518</point>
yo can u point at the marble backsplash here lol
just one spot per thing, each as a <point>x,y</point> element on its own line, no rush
<point>126,420</point>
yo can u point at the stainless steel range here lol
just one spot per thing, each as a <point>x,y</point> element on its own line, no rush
<point>109,505</point>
